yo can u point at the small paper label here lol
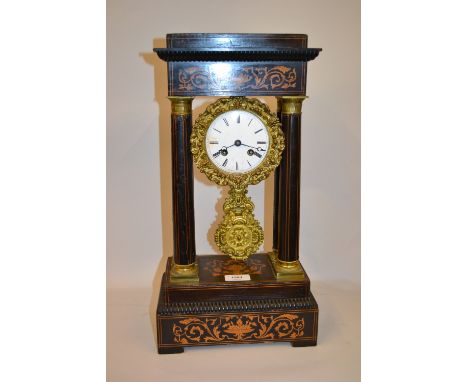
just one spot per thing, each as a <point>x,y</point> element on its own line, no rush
<point>236,277</point>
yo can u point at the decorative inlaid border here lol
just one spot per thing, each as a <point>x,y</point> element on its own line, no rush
<point>236,78</point>
<point>238,328</point>
<point>198,330</point>
<point>266,77</point>
<point>221,267</point>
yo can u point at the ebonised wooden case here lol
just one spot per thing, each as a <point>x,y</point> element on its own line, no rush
<point>209,310</point>
<point>214,312</point>
<point>237,64</point>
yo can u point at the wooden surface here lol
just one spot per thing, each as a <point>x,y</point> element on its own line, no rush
<point>215,311</point>
<point>213,287</point>
<point>227,78</point>
<point>276,189</point>
<point>236,64</point>
<point>132,345</point>
<point>288,192</point>
<point>183,220</point>
<point>236,40</point>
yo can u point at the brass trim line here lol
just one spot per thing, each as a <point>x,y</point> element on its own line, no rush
<point>181,105</point>
<point>288,264</point>
<point>291,104</point>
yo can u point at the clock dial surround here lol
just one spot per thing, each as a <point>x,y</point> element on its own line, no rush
<point>218,126</point>
<point>237,141</point>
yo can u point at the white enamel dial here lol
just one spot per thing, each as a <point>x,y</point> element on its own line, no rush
<point>237,141</point>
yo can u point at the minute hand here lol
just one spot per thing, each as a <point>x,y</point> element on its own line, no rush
<point>256,148</point>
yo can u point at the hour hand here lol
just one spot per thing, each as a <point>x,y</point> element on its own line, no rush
<point>223,151</point>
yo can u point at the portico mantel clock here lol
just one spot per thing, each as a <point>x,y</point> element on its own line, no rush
<point>239,295</point>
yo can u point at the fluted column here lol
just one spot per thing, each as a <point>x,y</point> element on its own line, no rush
<point>184,267</point>
<point>288,191</point>
<point>275,195</point>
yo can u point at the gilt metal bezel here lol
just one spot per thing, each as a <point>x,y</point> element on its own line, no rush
<point>272,156</point>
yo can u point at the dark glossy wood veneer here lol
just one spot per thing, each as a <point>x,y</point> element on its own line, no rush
<point>263,308</point>
<point>237,64</point>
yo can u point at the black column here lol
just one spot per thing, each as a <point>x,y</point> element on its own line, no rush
<point>289,171</point>
<point>182,181</point>
<point>276,190</point>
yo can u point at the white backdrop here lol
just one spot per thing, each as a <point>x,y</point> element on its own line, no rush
<point>138,140</point>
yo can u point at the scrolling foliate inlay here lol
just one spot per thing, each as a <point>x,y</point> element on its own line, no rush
<point>218,267</point>
<point>238,328</point>
<point>243,78</point>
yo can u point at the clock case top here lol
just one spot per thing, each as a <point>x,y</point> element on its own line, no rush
<point>239,64</point>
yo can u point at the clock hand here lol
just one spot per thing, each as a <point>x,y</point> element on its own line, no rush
<point>223,151</point>
<point>251,152</point>
<point>256,148</point>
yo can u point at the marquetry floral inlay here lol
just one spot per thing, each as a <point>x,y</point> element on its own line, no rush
<point>238,328</point>
<point>221,267</point>
<point>244,78</point>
